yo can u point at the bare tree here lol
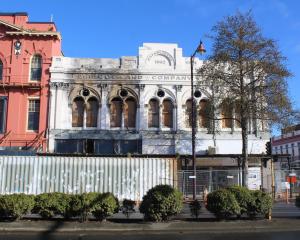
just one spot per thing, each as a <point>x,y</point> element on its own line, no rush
<point>247,75</point>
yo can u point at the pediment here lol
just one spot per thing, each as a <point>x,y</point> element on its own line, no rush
<point>11,26</point>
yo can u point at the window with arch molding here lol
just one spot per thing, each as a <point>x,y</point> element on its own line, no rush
<point>167,113</point>
<point>116,105</point>
<point>77,112</point>
<point>92,108</point>
<point>153,113</point>
<point>36,68</point>
<point>130,113</point>
<point>1,70</point>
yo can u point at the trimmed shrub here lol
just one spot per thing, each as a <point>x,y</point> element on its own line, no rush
<point>195,207</point>
<point>223,204</point>
<point>128,207</point>
<point>160,203</point>
<point>104,205</point>
<point>50,204</point>
<point>15,205</point>
<point>297,203</point>
<point>262,204</point>
<point>81,205</point>
<point>243,196</point>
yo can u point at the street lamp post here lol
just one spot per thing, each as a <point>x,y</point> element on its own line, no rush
<point>200,49</point>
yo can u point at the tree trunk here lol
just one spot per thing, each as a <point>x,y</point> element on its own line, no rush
<point>245,152</point>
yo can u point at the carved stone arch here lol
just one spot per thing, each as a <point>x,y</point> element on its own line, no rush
<point>115,92</point>
<point>77,91</point>
<point>187,95</point>
<point>152,94</point>
<point>168,95</point>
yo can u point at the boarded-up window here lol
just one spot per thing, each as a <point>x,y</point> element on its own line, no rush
<point>36,68</point>
<point>153,114</point>
<point>130,113</point>
<point>77,112</point>
<point>167,113</point>
<point>116,112</point>
<point>92,112</point>
<point>203,114</point>
<point>226,114</point>
<point>1,70</point>
<point>188,113</point>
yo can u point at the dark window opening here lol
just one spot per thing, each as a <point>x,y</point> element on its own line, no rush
<point>3,112</point>
<point>36,68</point>
<point>89,148</point>
<point>33,114</point>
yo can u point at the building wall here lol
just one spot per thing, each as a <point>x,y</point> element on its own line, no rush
<point>157,67</point>
<point>288,143</point>
<point>35,38</point>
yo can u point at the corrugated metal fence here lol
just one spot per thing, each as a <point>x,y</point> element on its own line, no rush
<point>125,177</point>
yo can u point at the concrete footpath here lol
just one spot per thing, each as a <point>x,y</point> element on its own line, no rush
<point>172,226</point>
<point>285,217</point>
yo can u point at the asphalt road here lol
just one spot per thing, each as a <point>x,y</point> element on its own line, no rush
<point>276,235</point>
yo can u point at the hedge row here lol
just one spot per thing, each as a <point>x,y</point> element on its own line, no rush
<point>236,201</point>
<point>47,205</point>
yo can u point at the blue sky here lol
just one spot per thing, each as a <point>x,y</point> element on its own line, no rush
<point>115,28</point>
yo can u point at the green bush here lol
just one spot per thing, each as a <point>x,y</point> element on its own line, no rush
<point>51,204</point>
<point>262,204</point>
<point>104,205</point>
<point>243,196</point>
<point>101,205</point>
<point>195,207</point>
<point>15,205</point>
<point>160,203</point>
<point>223,204</point>
<point>297,203</point>
<point>128,207</point>
<point>81,205</point>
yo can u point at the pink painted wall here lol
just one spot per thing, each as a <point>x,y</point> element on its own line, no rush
<point>16,72</point>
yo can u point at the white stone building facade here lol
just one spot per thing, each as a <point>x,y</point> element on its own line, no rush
<point>139,104</point>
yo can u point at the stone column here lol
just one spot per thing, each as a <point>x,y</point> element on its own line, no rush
<point>104,110</point>
<point>52,107</point>
<point>160,116</point>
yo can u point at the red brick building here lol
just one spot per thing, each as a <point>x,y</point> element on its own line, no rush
<point>26,50</point>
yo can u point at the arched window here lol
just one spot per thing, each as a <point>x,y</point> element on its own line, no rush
<point>116,112</point>
<point>167,113</point>
<point>188,113</point>
<point>130,113</point>
<point>153,114</point>
<point>203,114</point>
<point>92,112</point>
<point>36,68</point>
<point>226,114</point>
<point>1,70</point>
<point>77,112</point>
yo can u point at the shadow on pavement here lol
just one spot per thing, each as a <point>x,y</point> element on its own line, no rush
<point>47,235</point>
